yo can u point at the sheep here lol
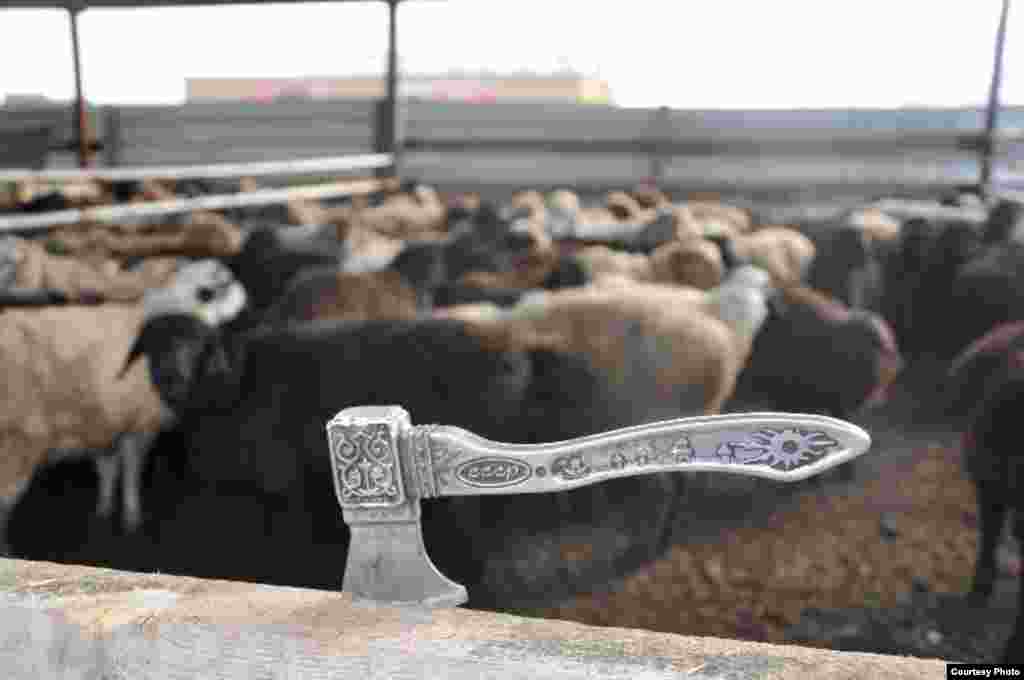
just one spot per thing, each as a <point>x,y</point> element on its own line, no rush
<point>719,217</point>
<point>63,392</point>
<point>407,215</point>
<point>973,371</point>
<point>877,226</point>
<point>270,257</point>
<point>406,287</point>
<point>815,355</point>
<point>695,262</point>
<point>253,422</point>
<point>26,264</point>
<point>784,253</point>
<point>1005,223</point>
<point>995,466</point>
<point>845,266</point>
<point>703,338</point>
<point>33,196</point>
<point>326,293</point>
<point>649,197</point>
<point>201,234</point>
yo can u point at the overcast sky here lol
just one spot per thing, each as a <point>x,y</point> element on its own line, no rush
<point>695,54</point>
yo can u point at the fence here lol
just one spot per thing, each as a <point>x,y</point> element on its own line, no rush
<point>519,144</point>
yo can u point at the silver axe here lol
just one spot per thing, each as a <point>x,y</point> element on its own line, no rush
<point>382,466</point>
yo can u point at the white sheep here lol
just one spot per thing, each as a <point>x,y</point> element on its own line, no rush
<point>65,392</point>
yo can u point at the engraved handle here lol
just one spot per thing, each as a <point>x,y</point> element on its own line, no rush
<point>781,446</point>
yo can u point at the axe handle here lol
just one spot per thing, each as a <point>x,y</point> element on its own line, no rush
<point>787,447</point>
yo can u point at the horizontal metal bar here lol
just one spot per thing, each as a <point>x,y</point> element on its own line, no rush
<point>132,211</point>
<point>777,144</point>
<point>292,167</point>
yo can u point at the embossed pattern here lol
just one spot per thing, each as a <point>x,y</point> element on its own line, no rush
<point>661,451</point>
<point>493,472</point>
<point>366,466</point>
<point>785,449</point>
<point>781,449</point>
<point>420,443</point>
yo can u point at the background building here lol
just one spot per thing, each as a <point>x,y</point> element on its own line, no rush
<point>566,87</point>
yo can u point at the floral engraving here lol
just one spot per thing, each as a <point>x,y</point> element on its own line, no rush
<point>366,466</point>
<point>493,472</point>
<point>573,466</point>
<point>784,449</point>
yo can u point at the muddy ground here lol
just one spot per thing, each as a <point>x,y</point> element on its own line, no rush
<point>876,565</point>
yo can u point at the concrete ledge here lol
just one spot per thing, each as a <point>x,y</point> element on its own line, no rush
<point>86,623</point>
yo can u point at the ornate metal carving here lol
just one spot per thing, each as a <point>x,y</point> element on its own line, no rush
<point>443,456</point>
<point>419,441</point>
<point>661,451</point>
<point>493,472</point>
<point>781,449</point>
<point>366,464</point>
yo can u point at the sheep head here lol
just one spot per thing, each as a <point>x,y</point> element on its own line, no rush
<point>742,299</point>
<point>179,333</point>
<point>205,289</point>
<point>696,263</point>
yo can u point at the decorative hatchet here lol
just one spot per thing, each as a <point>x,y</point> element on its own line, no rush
<point>383,465</point>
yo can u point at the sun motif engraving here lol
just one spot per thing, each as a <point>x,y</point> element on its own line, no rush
<point>788,448</point>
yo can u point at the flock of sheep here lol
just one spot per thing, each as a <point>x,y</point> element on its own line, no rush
<point>230,339</point>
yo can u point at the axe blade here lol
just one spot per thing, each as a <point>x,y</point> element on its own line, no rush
<point>387,558</point>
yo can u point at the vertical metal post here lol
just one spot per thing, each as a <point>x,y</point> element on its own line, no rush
<point>661,133</point>
<point>992,114</point>
<point>81,114</point>
<point>112,141</point>
<point>388,133</point>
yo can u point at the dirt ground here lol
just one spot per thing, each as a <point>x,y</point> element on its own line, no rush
<point>874,565</point>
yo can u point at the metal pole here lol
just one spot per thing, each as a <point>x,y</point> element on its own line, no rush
<point>992,114</point>
<point>391,133</point>
<point>81,115</point>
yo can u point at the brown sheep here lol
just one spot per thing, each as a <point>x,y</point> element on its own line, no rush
<point>328,294</point>
<point>201,234</point>
<point>701,339</point>
<point>65,390</point>
<point>27,265</point>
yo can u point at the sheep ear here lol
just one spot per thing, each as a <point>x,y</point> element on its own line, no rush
<point>139,347</point>
<point>174,344</point>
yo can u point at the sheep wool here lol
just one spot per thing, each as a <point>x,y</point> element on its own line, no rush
<point>34,268</point>
<point>346,296</point>
<point>701,339</point>
<point>693,262</point>
<point>61,389</point>
<point>202,234</point>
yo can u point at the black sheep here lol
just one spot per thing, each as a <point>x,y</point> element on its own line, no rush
<point>1004,223</point>
<point>818,358</point>
<point>271,256</point>
<point>920,284</point>
<point>985,292</point>
<point>451,294</point>
<point>812,355</point>
<point>980,366</point>
<point>845,266</point>
<point>996,466</point>
<point>253,409</point>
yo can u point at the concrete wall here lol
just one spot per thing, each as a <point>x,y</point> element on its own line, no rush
<point>79,622</point>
